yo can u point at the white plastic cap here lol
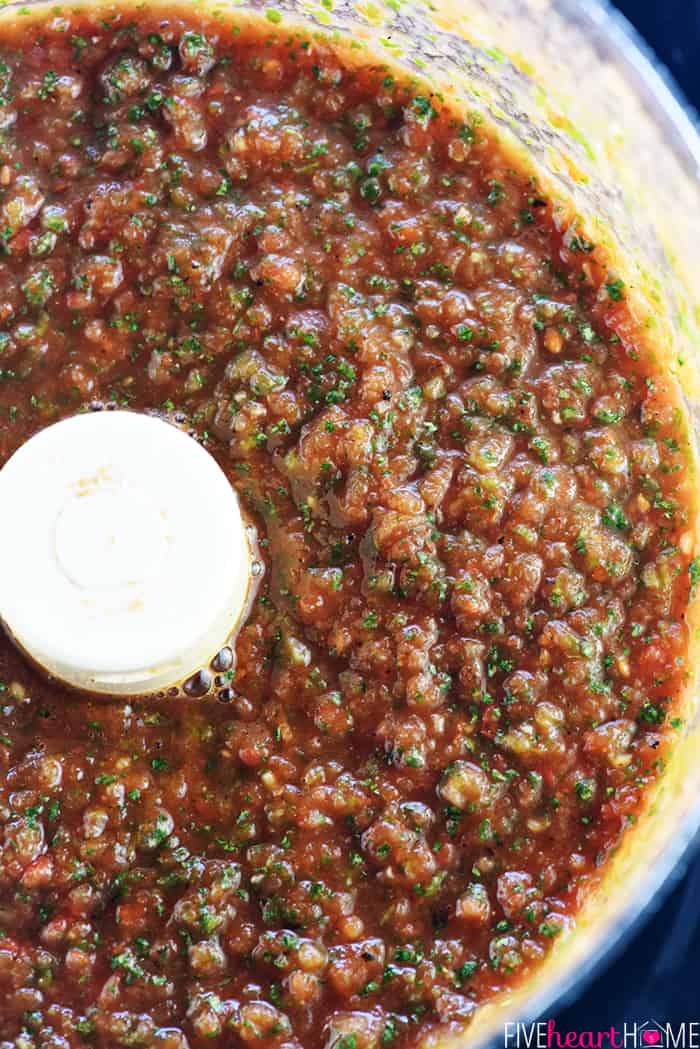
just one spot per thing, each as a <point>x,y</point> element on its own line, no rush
<point>124,559</point>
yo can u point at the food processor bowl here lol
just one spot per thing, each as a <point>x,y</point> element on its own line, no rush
<point>576,98</point>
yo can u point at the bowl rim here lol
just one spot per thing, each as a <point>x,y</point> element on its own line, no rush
<point>679,124</point>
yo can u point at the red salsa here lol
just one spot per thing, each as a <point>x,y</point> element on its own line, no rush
<point>471,492</point>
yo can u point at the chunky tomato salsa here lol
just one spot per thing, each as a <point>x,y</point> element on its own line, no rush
<point>386,801</point>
